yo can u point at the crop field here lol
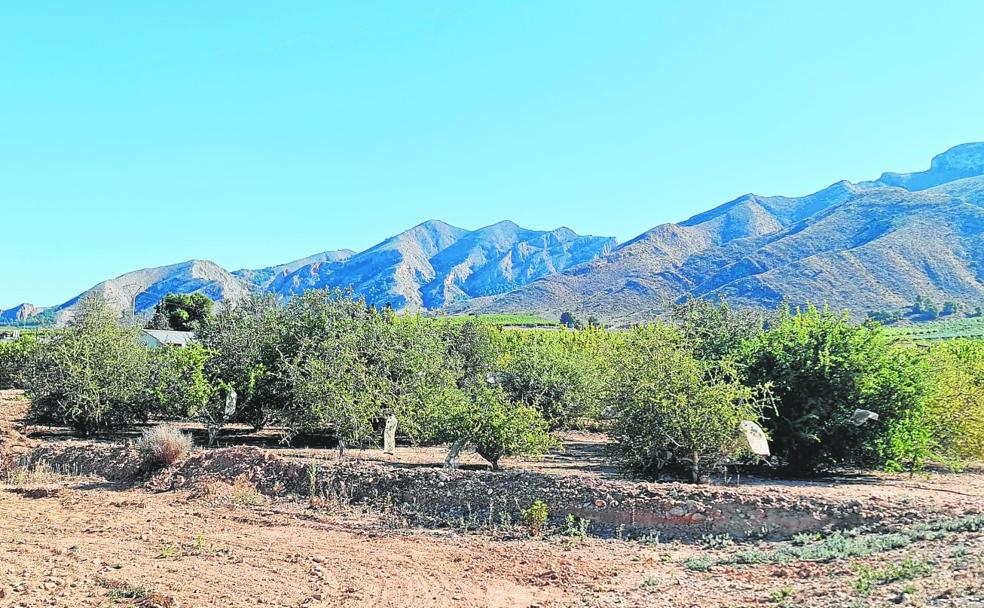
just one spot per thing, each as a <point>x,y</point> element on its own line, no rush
<point>509,320</point>
<point>971,327</point>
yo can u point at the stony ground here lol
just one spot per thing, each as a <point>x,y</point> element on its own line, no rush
<point>81,541</point>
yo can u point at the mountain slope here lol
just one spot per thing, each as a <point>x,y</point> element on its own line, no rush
<point>261,278</point>
<point>19,313</point>
<point>434,264</point>
<point>859,246</point>
<point>141,290</point>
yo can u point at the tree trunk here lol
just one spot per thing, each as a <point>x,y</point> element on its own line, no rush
<point>454,452</point>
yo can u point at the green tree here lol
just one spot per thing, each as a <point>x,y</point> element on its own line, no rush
<point>955,407</point>
<point>484,417</point>
<point>562,380</point>
<point>673,411</point>
<point>15,357</point>
<point>244,344</point>
<point>822,368</point>
<point>92,376</point>
<point>182,312</point>
<point>184,389</point>
<point>568,320</point>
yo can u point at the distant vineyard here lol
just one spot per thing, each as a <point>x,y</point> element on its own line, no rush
<point>509,320</point>
<point>971,327</point>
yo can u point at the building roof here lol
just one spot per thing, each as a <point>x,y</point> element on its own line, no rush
<point>170,337</point>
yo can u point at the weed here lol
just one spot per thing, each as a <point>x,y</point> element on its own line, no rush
<point>907,569</point>
<point>699,564</point>
<point>201,546</point>
<point>26,475</point>
<point>163,445</point>
<point>168,551</point>
<point>716,541</point>
<point>576,527</point>
<point>535,518</point>
<point>243,493</point>
<point>783,597</point>
<point>650,584</point>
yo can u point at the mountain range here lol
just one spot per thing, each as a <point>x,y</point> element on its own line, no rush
<point>860,246</point>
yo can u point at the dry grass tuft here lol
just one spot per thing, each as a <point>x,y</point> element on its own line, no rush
<point>164,445</point>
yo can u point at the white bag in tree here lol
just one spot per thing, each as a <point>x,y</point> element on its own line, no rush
<point>230,404</point>
<point>389,435</point>
<point>862,416</point>
<point>758,443</point>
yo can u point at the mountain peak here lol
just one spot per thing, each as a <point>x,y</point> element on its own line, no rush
<point>959,162</point>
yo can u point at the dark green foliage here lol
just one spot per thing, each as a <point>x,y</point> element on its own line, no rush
<point>821,368</point>
<point>925,308</point>
<point>886,317</point>
<point>568,320</point>
<point>182,312</point>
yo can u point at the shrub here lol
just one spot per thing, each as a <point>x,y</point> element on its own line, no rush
<point>164,445</point>
<point>673,411</point>
<point>560,379</point>
<point>484,417</point>
<point>821,368</point>
<point>535,517</point>
<point>15,356</point>
<point>955,408</point>
<point>94,375</point>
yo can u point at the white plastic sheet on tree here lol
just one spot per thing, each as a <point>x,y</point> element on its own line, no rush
<point>862,416</point>
<point>758,443</point>
<point>389,434</point>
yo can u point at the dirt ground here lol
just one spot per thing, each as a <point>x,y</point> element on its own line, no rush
<point>83,542</point>
<point>79,542</point>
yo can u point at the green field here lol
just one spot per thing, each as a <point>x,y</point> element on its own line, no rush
<point>970,327</point>
<point>511,320</point>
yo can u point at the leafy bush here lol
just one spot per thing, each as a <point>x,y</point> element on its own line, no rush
<point>484,417</point>
<point>673,411</point>
<point>821,368</point>
<point>94,375</point>
<point>535,517</point>
<point>955,408</point>
<point>15,356</point>
<point>561,380</point>
<point>182,312</point>
<point>163,445</point>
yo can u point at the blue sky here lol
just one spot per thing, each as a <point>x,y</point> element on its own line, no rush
<point>137,134</point>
